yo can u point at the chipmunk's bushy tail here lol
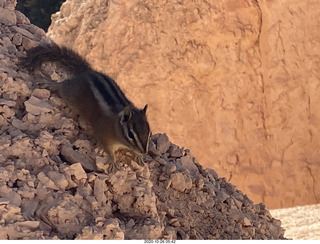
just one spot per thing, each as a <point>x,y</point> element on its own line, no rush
<point>69,60</point>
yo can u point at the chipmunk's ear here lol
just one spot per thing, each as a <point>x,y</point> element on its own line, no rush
<point>145,108</point>
<point>125,115</point>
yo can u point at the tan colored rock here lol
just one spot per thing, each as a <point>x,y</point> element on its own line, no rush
<point>99,190</point>
<point>46,181</point>
<point>27,192</point>
<point>36,106</point>
<point>77,171</point>
<point>7,112</point>
<point>149,229</point>
<point>30,224</point>
<point>9,103</point>
<point>109,230</point>
<point>59,179</point>
<point>7,17</point>
<point>84,144</point>
<point>15,198</point>
<point>9,211</point>
<point>23,32</point>
<point>4,201</point>
<point>67,217</point>
<point>175,151</point>
<point>41,93</point>
<point>102,163</point>
<point>180,182</point>
<point>12,88</point>
<point>73,156</point>
<point>170,168</point>
<point>27,43</point>
<point>30,207</point>
<point>188,163</point>
<point>163,143</point>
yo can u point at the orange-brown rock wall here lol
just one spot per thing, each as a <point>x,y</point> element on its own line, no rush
<point>236,81</point>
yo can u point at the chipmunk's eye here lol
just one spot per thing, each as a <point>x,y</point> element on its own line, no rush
<point>130,134</point>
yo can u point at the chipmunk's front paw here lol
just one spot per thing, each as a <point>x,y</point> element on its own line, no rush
<point>42,83</point>
<point>133,155</point>
<point>113,167</point>
<point>139,160</point>
<point>47,84</point>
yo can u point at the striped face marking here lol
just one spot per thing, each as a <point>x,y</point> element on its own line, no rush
<point>135,128</point>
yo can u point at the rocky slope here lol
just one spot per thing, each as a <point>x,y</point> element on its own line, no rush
<point>53,183</point>
<point>234,80</point>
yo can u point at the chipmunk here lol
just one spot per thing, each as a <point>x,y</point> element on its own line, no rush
<point>116,122</point>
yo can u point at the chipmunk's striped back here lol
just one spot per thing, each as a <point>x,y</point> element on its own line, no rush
<point>108,93</point>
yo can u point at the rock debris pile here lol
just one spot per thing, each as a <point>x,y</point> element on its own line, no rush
<point>53,183</point>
